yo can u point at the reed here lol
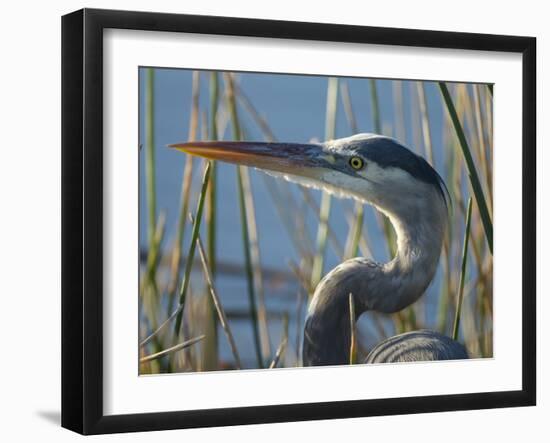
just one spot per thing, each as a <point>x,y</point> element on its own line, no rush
<point>232,106</point>
<point>191,250</point>
<point>185,192</point>
<point>256,264</point>
<point>155,233</point>
<point>353,340</point>
<point>154,242</point>
<point>317,211</point>
<point>210,347</point>
<point>324,212</point>
<point>375,106</point>
<point>399,110</point>
<point>480,132</point>
<point>212,187</point>
<point>462,270</point>
<point>153,259</point>
<point>377,125</point>
<point>282,345</point>
<point>426,130</point>
<point>460,299</point>
<point>217,304</point>
<point>171,350</point>
<point>150,150</point>
<point>354,234</point>
<point>474,178</point>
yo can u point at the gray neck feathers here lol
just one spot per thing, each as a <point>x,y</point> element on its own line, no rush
<point>389,287</point>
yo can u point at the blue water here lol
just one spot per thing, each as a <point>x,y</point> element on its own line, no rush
<point>294,107</point>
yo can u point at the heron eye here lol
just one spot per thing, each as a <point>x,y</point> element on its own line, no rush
<point>356,163</point>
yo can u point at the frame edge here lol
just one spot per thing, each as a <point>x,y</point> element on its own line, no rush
<point>529,271</point>
<point>72,105</point>
<point>82,193</point>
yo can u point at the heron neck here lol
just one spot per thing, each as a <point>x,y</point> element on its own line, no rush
<point>387,287</point>
<point>404,279</point>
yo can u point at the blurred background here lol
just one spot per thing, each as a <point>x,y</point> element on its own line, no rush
<point>268,242</point>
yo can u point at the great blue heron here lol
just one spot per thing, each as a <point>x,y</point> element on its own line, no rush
<point>379,171</point>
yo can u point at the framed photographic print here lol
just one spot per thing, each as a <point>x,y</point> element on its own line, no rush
<point>273,221</point>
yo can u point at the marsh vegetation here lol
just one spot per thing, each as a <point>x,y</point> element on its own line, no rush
<point>229,257</point>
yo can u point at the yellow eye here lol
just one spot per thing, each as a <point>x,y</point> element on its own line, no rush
<point>356,163</point>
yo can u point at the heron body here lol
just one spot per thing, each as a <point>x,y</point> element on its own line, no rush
<point>416,346</point>
<point>383,173</point>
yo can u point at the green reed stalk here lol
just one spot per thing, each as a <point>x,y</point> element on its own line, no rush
<point>248,268</point>
<point>210,348</point>
<point>387,229</point>
<point>150,151</point>
<point>324,213</point>
<point>301,243</point>
<point>185,191</point>
<point>426,130</point>
<point>184,207</point>
<point>191,250</point>
<point>375,106</point>
<point>480,126</point>
<point>353,340</point>
<point>377,123</point>
<point>255,253</point>
<point>148,287</point>
<point>150,171</point>
<point>309,200</point>
<point>462,270</point>
<point>472,173</point>
<point>487,100</point>
<point>452,175</point>
<point>398,109</point>
<point>281,203</point>
<point>171,350</point>
<point>444,293</point>
<point>354,234</point>
<point>153,257</point>
<point>218,305</point>
<point>256,263</point>
<point>348,108</point>
<point>211,212</point>
<point>232,106</point>
<point>282,346</point>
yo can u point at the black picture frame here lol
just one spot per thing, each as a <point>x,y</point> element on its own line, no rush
<point>82,220</point>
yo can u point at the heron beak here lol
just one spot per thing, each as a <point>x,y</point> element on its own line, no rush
<point>304,160</point>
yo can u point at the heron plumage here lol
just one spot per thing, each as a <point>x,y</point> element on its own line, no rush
<point>423,345</point>
<point>403,186</point>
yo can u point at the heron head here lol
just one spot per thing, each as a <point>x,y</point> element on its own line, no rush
<point>367,167</point>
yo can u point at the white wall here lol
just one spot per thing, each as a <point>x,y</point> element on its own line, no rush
<point>30,217</point>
